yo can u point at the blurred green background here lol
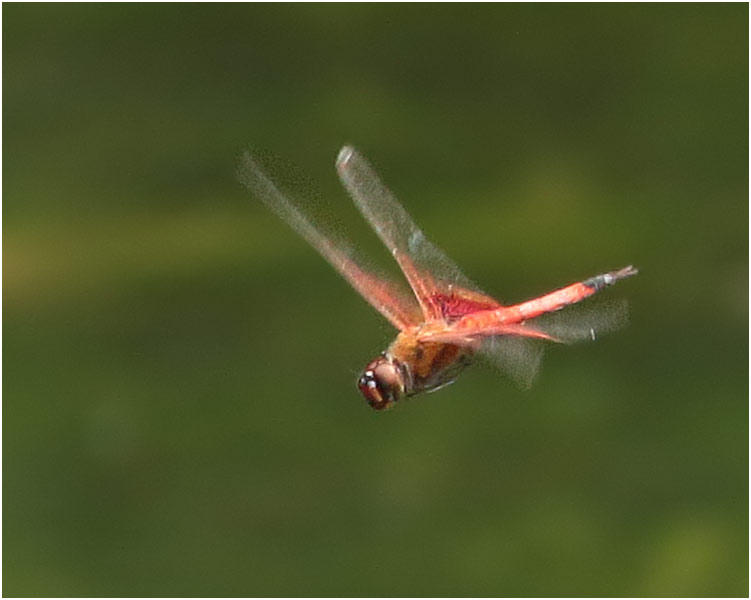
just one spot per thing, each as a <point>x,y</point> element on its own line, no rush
<point>180,414</point>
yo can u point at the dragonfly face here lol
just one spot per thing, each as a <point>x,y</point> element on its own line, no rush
<point>444,320</point>
<point>383,382</point>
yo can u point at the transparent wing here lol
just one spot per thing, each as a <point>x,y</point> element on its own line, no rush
<point>428,270</point>
<point>576,323</point>
<point>520,357</point>
<point>584,322</point>
<point>385,296</point>
<point>517,349</point>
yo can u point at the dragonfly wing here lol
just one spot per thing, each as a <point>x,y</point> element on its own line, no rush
<point>517,348</point>
<point>468,336</point>
<point>518,358</point>
<point>428,270</point>
<point>385,296</point>
<point>584,322</point>
<point>576,323</point>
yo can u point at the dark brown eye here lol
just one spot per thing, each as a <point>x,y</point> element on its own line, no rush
<point>381,383</point>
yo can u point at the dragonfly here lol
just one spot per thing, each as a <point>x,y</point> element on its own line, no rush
<point>444,321</point>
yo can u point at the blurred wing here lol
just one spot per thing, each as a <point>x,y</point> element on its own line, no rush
<point>577,323</point>
<point>518,358</point>
<point>585,321</point>
<point>386,297</point>
<point>430,273</point>
<point>516,349</point>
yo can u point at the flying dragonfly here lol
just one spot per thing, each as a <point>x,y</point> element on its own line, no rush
<point>446,321</point>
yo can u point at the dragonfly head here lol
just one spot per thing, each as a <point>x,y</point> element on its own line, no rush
<point>382,383</point>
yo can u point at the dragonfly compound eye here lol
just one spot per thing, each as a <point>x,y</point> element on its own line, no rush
<point>382,383</point>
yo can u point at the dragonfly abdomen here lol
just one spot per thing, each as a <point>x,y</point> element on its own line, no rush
<point>571,294</point>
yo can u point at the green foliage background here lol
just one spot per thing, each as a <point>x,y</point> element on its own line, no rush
<point>180,416</point>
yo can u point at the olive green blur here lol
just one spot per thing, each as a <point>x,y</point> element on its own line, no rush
<point>180,414</point>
